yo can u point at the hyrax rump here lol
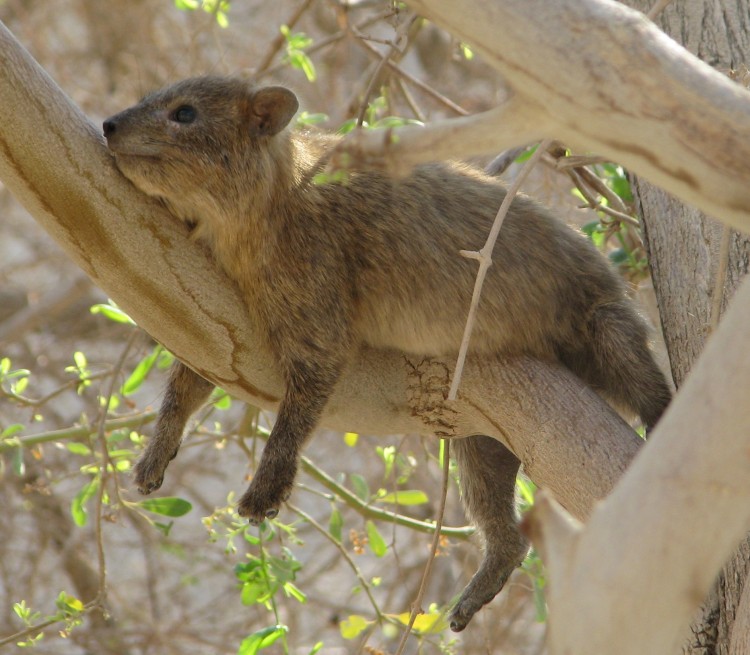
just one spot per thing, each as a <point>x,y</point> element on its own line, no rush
<point>375,260</point>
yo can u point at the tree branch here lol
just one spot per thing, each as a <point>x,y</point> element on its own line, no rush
<point>606,80</point>
<point>675,516</point>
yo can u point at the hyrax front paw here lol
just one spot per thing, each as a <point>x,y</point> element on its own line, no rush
<point>262,501</point>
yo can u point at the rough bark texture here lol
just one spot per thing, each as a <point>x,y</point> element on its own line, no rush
<point>697,264</point>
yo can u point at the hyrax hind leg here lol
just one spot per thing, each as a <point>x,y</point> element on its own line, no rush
<point>186,391</point>
<point>487,472</point>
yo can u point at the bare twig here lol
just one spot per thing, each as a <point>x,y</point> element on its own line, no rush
<point>101,595</point>
<point>484,256</point>
<point>368,511</point>
<point>577,161</point>
<point>409,99</point>
<point>40,627</point>
<point>593,203</point>
<point>417,605</point>
<point>397,45</point>
<point>598,185</point>
<point>447,102</point>
<point>344,554</point>
<point>500,163</point>
<point>363,508</point>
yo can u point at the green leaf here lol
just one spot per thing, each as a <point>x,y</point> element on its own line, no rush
<point>167,506</point>
<point>113,313</point>
<point>253,591</point>
<point>140,372</point>
<point>221,399</point>
<point>361,487</point>
<point>431,622</point>
<point>13,428</point>
<point>301,61</point>
<point>540,602</point>
<point>525,155</point>
<point>352,627</point>
<point>221,19</point>
<point>20,386</point>
<point>406,497</point>
<point>388,455</point>
<point>309,118</point>
<point>78,448</point>
<point>526,489</point>
<point>261,639</point>
<point>348,126</point>
<point>350,439</point>
<point>78,504</point>
<point>316,648</point>
<point>294,592</point>
<point>164,528</point>
<point>335,524</point>
<point>80,359</point>
<point>69,604</point>
<point>396,121</point>
<point>377,543</point>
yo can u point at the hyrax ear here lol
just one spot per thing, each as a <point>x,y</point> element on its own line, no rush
<point>271,109</point>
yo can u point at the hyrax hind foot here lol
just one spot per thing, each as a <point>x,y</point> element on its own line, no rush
<point>148,473</point>
<point>485,585</point>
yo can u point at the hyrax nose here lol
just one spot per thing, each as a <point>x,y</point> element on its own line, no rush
<point>109,127</point>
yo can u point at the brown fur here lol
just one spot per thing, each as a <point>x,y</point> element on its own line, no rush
<point>375,260</point>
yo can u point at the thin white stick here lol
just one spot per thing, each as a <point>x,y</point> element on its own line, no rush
<point>485,260</point>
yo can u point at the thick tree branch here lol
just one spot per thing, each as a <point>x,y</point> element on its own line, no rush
<point>678,512</point>
<point>54,161</point>
<point>600,77</point>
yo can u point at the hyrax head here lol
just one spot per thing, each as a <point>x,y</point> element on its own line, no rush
<point>197,135</point>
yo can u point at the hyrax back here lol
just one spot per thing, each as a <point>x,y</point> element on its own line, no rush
<point>374,260</point>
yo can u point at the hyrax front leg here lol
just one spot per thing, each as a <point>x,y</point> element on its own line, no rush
<point>308,387</point>
<point>487,472</point>
<point>186,391</point>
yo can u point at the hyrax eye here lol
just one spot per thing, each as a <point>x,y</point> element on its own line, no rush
<point>184,114</point>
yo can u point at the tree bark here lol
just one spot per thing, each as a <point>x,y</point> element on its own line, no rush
<point>697,264</point>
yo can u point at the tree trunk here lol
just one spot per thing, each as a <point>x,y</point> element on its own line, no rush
<point>697,264</point>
